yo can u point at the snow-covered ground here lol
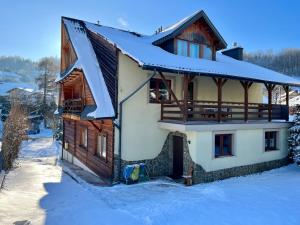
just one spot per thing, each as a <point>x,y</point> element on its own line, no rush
<point>39,191</point>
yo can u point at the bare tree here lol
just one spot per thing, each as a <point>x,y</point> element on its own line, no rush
<point>48,67</point>
<point>15,128</point>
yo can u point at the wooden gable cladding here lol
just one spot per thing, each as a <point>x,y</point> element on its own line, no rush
<point>76,86</point>
<point>107,56</point>
<point>72,131</point>
<point>198,32</point>
<point>68,55</point>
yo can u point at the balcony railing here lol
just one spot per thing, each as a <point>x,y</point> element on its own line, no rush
<point>228,111</point>
<point>73,106</point>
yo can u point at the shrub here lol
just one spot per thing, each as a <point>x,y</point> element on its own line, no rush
<point>14,133</point>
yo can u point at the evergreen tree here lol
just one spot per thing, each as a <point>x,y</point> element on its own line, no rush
<point>294,138</point>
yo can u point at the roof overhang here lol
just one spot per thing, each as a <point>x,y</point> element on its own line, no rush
<point>187,72</point>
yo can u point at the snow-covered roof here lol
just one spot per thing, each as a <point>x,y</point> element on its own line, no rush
<point>6,87</point>
<point>182,24</point>
<point>147,55</point>
<point>87,62</point>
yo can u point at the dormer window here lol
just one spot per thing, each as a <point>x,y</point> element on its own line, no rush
<point>182,48</point>
<point>193,49</point>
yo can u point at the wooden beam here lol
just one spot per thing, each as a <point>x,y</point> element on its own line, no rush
<point>185,96</point>
<point>170,91</point>
<point>220,83</point>
<point>270,88</point>
<point>246,85</point>
<point>95,126</point>
<point>191,77</point>
<point>287,97</point>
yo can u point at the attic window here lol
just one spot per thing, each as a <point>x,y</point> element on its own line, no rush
<point>193,49</point>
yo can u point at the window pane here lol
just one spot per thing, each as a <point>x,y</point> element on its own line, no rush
<point>227,144</point>
<point>270,140</point>
<point>217,146</point>
<point>163,91</point>
<point>207,52</point>
<point>152,91</point>
<point>194,50</point>
<point>104,146</point>
<point>182,48</point>
<point>99,145</point>
<point>85,137</point>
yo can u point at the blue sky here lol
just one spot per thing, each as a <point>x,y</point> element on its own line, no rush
<point>31,28</point>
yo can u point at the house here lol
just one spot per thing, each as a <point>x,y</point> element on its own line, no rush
<point>177,100</point>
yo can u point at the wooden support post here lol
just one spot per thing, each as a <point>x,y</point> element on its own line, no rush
<point>185,96</point>
<point>270,88</point>
<point>220,83</point>
<point>287,98</point>
<point>246,85</point>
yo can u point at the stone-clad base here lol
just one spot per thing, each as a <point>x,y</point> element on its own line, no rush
<point>159,166</point>
<point>201,176</point>
<point>162,165</point>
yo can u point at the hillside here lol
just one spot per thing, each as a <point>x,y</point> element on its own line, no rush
<point>286,61</point>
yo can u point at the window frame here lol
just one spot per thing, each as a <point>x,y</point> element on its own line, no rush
<point>201,48</point>
<point>83,145</point>
<point>100,155</point>
<point>268,148</point>
<point>157,82</point>
<point>221,155</point>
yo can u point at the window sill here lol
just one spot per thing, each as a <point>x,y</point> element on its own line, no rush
<point>223,156</point>
<point>83,147</point>
<point>100,158</point>
<point>271,150</point>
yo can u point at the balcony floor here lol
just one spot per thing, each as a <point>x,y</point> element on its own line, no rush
<point>175,125</point>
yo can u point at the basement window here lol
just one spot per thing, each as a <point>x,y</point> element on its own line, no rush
<point>223,145</point>
<point>271,140</point>
<point>158,92</point>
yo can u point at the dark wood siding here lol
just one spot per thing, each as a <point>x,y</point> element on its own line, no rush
<point>107,57</point>
<point>168,46</point>
<point>102,167</point>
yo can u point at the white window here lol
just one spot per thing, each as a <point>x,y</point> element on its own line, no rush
<point>83,137</point>
<point>101,145</point>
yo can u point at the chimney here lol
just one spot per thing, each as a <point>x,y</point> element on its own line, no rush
<point>235,52</point>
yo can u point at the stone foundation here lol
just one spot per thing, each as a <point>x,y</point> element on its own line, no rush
<point>162,165</point>
<point>201,176</point>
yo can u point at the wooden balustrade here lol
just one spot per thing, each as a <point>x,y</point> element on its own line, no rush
<point>197,110</point>
<point>73,106</point>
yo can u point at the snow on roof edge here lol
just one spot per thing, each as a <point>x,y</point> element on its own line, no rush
<point>88,63</point>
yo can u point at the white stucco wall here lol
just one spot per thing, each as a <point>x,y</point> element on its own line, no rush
<point>248,148</point>
<point>143,138</point>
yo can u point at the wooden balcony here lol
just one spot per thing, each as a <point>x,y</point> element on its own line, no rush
<point>227,111</point>
<point>73,106</point>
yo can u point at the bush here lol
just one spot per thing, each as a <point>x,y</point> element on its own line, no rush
<point>14,133</point>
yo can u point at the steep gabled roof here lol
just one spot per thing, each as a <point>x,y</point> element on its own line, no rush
<point>180,26</point>
<point>87,62</point>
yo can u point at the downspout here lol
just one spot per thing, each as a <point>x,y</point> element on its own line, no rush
<point>119,126</point>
